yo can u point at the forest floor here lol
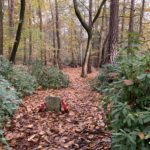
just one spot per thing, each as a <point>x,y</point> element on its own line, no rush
<point>82,128</point>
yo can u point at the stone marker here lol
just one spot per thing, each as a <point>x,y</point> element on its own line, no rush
<point>53,103</point>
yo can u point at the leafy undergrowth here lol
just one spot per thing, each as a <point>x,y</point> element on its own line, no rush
<point>82,128</point>
<point>126,99</point>
<point>9,101</point>
<point>19,77</point>
<point>49,77</point>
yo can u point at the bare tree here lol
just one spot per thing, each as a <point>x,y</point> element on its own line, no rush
<point>19,31</point>
<point>89,29</point>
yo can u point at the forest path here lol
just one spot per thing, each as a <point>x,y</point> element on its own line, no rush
<point>80,129</point>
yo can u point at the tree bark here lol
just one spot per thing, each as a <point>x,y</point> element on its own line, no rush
<point>113,31</point>
<point>25,52</point>
<point>87,55</point>
<point>54,35</point>
<point>141,18</point>
<point>100,39</point>
<point>19,31</point>
<point>89,68</point>
<point>41,29</point>
<point>1,27</point>
<point>11,21</point>
<point>131,30</point>
<point>58,34</point>
<point>123,21</point>
<point>30,34</point>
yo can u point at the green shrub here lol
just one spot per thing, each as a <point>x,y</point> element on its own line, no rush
<point>5,67</point>
<point>37,68</point>
<point>49,77</point>
<point>127,93</point>
<point>9,100</point>
<point>52,78</point>
<point>22,81</point>
<point>18,76</point>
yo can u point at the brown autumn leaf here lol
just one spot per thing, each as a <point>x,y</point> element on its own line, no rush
<point>30,126</point>
<point>141,135</point>
<point>33,138</point>
<point>11,136</point>
<point>128,82</point>
<point>67,145</point>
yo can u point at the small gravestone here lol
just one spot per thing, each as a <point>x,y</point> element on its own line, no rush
<point>53,103</point>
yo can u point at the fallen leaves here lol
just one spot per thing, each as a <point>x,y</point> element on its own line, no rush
<point>128,82</point>
<point>82,128</point>
<point>11,136</point>
<point>141,135</point>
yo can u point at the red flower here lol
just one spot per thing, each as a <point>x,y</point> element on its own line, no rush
<point>42,107</point>
<point>64,106</point>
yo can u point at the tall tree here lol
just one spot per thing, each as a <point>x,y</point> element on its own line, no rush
<point>41,27</point>
<point>19,31</point>
<point>141,17</point>
<point>54,34</point>
<point>123,19</point>
<point>1,27</point>
<point>113,31</point>
<point>30,33</point>
<point>100,39</point>
<point>131,27</point>
<point>89,29</point>
<point>89,70</point>
<point>25,52</point>
<point>11,21</point>
<point>57,33</point>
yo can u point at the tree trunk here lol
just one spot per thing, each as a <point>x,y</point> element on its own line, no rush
<point>87,55</point>
<point>54,35</point>
<point>1,27</point>
<point>58,33</point>
<point>19,31</point>
<point>123,21</point>
<point>30,35</point>
<point>89,67</point>
<point>113,31</point>
<point>131,24</point>
<point>141,17</point>
<point>11,22</point>
<point>100,40</point>
<point>25,52</point>
<point>103,56</point>
<point>41,29</point>
<point>81,46</point>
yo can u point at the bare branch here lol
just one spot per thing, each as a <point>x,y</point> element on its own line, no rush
<point>99,11</point>
<point>81,19</point>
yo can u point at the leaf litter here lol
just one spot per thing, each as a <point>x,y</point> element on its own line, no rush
<point>82,128</point>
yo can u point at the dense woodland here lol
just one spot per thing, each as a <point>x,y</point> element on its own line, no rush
<point>85,54</point>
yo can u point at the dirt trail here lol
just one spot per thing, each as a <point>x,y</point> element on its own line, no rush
<point>80,129</point>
